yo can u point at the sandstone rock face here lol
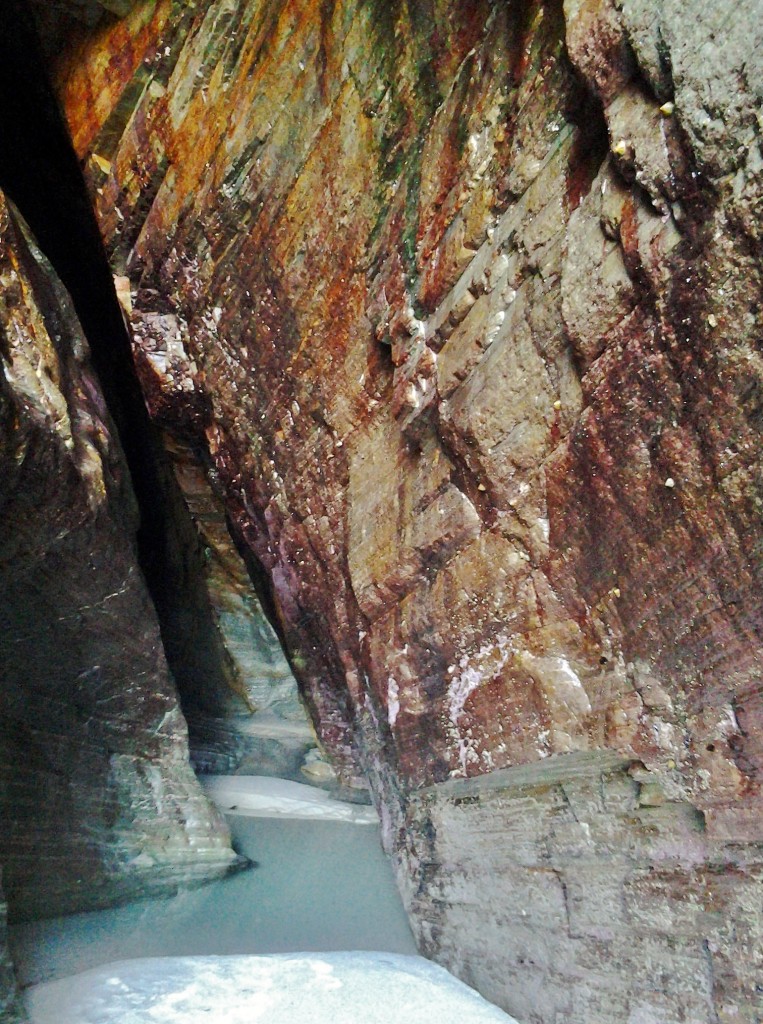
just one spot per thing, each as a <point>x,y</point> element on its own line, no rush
<point>98,802</point>
<point>459,306</point>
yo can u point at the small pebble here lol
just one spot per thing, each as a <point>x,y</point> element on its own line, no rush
<point>667,108</point>
<point>670,482</point>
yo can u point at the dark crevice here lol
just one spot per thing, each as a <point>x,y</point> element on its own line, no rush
<point>590,147</point>
<point>40,173</point>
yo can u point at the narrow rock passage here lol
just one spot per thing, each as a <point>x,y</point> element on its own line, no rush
<point>322,885</point>
<point>40,173</point>
<point>319,884</point>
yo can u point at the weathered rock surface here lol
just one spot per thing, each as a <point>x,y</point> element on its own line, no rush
<point>98,802</point>
<point>465,310</point>
<point>11,1011</point>
<point>574,891</point>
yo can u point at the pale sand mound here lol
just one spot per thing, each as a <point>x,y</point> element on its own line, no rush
<point>301,988</point>
<point>260,796</point>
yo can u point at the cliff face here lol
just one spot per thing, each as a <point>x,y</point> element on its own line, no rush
<point>458,306</point>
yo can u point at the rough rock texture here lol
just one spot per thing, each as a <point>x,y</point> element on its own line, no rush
<point>570,890</point>
<point>11,1011</point>
<point>466,312</point>
<point>97,799</point>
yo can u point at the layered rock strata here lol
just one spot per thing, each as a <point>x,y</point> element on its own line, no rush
<point>460,304</point>
<point>98,802</point>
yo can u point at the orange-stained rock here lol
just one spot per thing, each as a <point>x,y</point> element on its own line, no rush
<point>473,320</point>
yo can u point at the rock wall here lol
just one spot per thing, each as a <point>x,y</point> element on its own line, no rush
<point>98,802</point>
<point>11,1011</point>
<point>460,306</point>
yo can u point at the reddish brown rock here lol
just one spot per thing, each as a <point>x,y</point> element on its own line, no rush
<point>469,297</point>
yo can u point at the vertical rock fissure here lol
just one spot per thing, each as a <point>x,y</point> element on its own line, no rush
<point>40,172</point>
<point>185,554</point>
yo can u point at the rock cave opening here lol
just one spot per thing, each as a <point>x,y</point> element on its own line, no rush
<point>399,362</point>
<point>218,626</point>
<point>235,686</point>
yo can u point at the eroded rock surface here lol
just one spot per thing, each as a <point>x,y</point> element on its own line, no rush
<point>466,310</point>
<point>98,802</point>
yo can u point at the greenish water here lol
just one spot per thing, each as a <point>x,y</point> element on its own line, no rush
<point>319,886</point>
